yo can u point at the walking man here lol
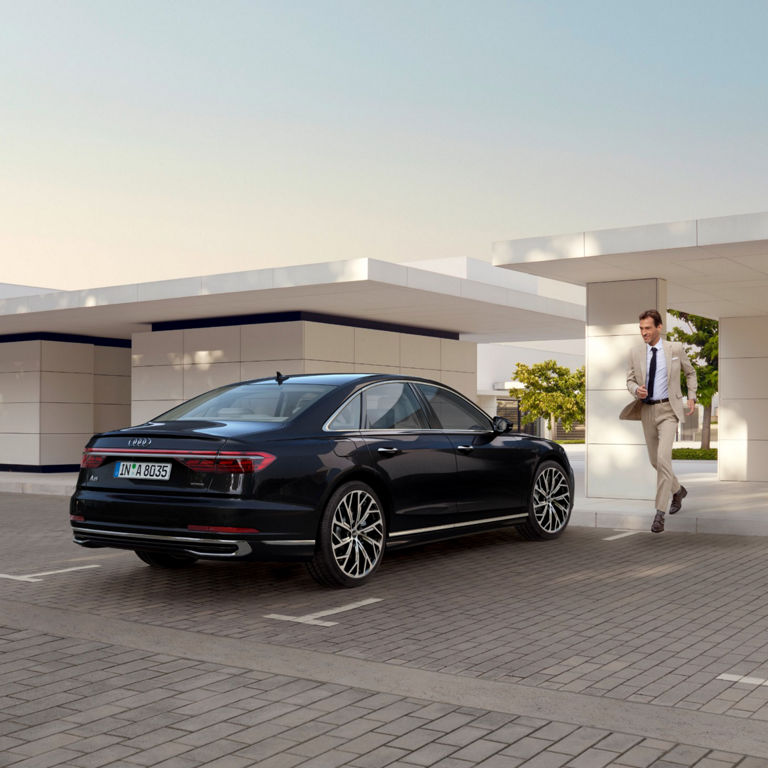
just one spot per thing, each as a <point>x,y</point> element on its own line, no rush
<point>653,377</point>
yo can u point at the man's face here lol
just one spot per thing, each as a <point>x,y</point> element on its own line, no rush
<point>650,332</point>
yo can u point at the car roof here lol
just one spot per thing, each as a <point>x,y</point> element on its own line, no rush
<point>338,379</point>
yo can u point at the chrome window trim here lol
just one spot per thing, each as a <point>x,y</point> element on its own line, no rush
<point>363,430</point>
<point>481,521</point>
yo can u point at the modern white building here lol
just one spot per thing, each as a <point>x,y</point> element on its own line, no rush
<point>77,362</point>
<point>716,268</point>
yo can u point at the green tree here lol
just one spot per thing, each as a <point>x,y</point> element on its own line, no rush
<point>552,392</point>
<point>700,337</point>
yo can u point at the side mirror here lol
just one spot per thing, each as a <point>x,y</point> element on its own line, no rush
<point>501,425</point>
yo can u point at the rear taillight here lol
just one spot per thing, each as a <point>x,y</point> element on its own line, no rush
<point>91,460</point>
<point>228,462</point>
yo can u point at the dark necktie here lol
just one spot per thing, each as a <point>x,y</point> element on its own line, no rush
<point>652,373</point>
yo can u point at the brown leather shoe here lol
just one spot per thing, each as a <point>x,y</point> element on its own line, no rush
<point>677,500</point>
<point>658,522</point>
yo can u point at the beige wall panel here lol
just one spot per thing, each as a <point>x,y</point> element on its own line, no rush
<point>323,341</point>
<point>111,389</point>
<point>743,337</point>
<point>458,356</point>
<point>272,341</point>
<point>201,378</point>
<point>744,378</point>
<point>106,417</point>
<point>158,382</point>
<point>20,387</point>
<point>420,352</point>
<point>377,347</point>
<point>20,449</point>
<point>328,366</point>
<point>620,472</point>
<point>603,424</point>
<point>612,308</point>
<point>365,368</point>
<point>58,387</point>
<point>66,418</point>
<point>466,383</point>
<point>743,419</point>
<point>112,361</point>
<point>742,460</point>
<point>607,358</point>
<point>146,410</point>
<point>20,418</point>
<point>732,459</point>
<point>212,345</point>
<point>20,356</point>
<point>157,348</point>
<point>67,357</point>
<point>62,449</point>
<point>266,369</point>
<point>425,373</point>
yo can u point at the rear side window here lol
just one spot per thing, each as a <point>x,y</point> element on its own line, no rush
<point>392,405</point>
<point>349,416</point>
<point>453,411</point>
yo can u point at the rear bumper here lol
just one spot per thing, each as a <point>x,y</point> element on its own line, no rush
<point>207,548</point>
<point>160,523</point>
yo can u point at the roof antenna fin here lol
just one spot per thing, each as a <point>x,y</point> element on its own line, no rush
<point>280,378</point>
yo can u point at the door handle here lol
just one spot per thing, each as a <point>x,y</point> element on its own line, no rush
<point>465,448</point>
<point>388,451</point>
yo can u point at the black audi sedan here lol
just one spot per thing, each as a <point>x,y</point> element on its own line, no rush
<point>330,469</point>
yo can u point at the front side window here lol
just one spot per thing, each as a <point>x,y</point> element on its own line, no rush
<point>393,405</point>
<point>453,411</point>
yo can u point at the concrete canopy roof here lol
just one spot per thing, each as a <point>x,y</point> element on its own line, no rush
<point>487,303</point>
<point>713,267</point>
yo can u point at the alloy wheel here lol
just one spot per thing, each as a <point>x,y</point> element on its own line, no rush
<point>551,499</point>
<point>357,533</point>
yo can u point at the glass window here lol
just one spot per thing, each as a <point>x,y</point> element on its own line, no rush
<point>349,416</point>
<point>453,411</point>
<point>262,401</point>
<point>393,405</point>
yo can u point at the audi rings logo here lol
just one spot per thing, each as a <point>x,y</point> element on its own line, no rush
<point>139,442</point>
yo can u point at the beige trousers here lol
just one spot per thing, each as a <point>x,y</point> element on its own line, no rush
<point>660,426</point>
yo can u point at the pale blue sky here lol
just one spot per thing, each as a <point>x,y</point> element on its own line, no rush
<point>147,139</point>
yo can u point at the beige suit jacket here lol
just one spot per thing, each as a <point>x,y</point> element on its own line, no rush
<point>676,360</point>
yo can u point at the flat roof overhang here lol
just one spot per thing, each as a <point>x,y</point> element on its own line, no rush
<point>714,267</point>
<point>361,289</point>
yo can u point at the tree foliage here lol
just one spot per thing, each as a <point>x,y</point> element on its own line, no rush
<point>701,339</point>
<point>551,391</point>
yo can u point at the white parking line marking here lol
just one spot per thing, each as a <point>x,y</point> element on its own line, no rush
<point>313,618</point>
<point>35,576</point>
<point>743,679</point>
<point>622,535</point>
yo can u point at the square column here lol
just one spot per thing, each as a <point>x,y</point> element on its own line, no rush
<point>617,465</point>
<point>743,411</point>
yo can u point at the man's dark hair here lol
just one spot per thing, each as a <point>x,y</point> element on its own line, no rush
<point>653,314</point>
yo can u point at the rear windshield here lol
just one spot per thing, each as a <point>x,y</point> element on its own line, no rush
<point>263,401</point>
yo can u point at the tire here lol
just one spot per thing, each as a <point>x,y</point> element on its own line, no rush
<point>164,559</point>
<point>550,503</point>
<point>351,538</point>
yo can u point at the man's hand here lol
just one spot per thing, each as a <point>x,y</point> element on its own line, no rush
<point>641,393</point>
<point>691,407</point>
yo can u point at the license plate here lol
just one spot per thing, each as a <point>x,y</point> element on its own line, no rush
<point>142,470</point>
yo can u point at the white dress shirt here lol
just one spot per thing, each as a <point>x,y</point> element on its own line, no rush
<point>660,390</point>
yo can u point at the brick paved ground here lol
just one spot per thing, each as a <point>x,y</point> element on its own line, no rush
<point>643,621</point>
